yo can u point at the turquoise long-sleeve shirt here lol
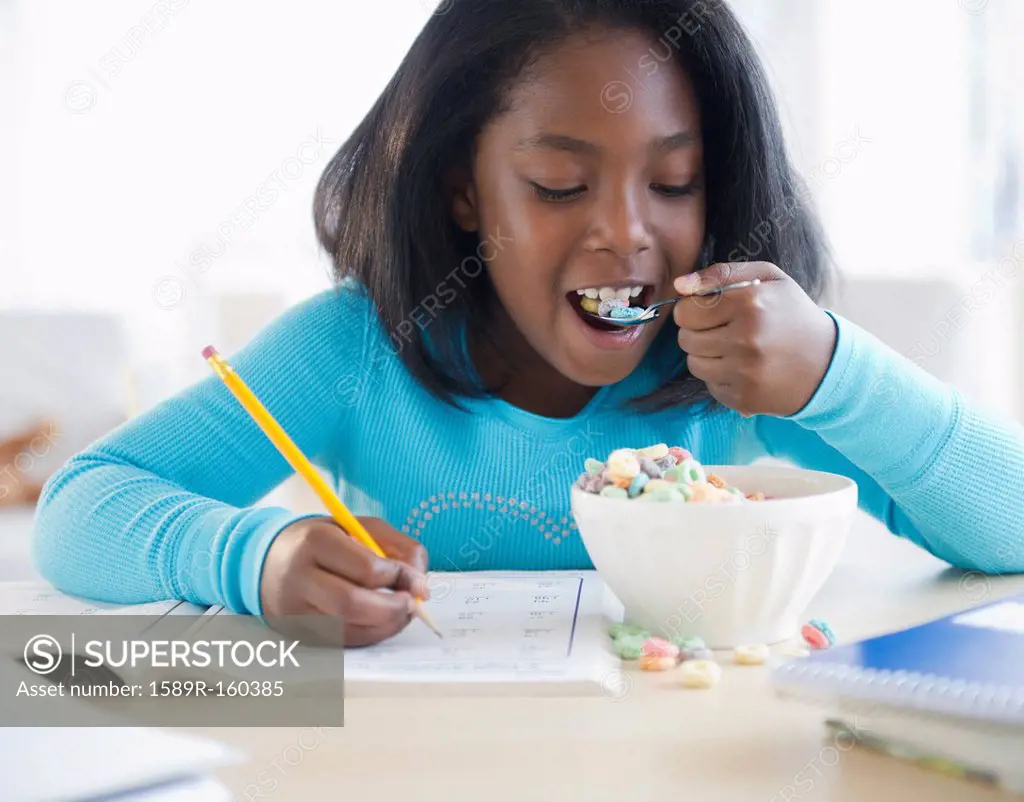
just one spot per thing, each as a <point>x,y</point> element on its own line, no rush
<point>167,505</point>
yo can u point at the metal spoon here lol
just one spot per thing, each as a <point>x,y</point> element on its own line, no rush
<point>653,311</point>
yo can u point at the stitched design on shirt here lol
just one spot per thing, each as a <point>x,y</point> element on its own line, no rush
<point>554,528</point>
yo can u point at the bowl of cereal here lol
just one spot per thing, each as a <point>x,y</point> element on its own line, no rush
<point>732,554</point>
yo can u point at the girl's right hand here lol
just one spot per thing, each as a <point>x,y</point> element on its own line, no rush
<point>314,568</point>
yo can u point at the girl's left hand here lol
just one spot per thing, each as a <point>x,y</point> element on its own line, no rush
<point>761,350</point>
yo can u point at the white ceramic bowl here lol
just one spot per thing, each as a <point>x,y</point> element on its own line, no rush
<point>729,573</point>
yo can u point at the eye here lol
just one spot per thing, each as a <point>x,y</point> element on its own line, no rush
<point>545,193</point>
<point>674,191</point>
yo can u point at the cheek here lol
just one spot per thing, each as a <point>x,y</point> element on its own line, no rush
<point>523,278</point>
<point>535,230</point>
<point>682,235</point>
<point>537,241</point>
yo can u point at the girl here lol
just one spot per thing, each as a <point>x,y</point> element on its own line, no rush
<point>527,151</point>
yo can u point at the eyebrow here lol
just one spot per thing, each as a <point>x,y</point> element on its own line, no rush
<point>558,142</point>
<point>683,139</point>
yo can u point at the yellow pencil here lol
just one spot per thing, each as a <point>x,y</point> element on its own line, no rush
<point>345,519</point>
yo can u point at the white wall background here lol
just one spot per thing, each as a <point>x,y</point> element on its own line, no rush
<point>133,131</point>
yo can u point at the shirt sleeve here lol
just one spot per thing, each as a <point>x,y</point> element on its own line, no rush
<point>163,506</point>
<point>933,467</point>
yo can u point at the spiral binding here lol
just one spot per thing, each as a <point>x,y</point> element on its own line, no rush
<point>927,693</point>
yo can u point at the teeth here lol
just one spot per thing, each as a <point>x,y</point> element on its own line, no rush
<point>611,293</point>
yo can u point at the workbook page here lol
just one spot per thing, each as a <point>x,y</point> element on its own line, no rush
<point>497,627</point>
<point>486,618</point>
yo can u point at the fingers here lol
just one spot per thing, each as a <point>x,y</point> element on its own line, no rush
<point>396,545</point>
<point>716,275</point>
<point>382,613</point>
<point>704,312</point>
<point>340,554</point>
<point>356,636</point>
<point>713,371</point>
<point>723,274</point>
<point>712,343</point>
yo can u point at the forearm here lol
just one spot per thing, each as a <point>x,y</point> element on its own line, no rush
<point>950,476</point>
<point>106,530</point>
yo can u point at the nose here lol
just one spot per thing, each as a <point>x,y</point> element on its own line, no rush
<point>620,224</point>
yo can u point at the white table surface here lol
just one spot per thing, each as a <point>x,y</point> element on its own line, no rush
<point>15,545</point>
<point>735,742</point>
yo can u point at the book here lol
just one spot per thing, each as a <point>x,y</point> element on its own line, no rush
<point>534,633</point>
<point>949,692</point>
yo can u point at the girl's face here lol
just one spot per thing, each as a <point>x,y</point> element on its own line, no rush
<point>592,180</point>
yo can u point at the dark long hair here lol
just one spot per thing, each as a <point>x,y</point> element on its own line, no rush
<point>383,213</point>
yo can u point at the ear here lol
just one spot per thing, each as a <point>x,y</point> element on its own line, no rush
<point>462,195</point>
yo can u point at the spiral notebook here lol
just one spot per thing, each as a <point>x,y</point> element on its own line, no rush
<point>950,690</point>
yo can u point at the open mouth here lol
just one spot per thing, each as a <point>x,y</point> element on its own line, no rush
<point>635,295</point>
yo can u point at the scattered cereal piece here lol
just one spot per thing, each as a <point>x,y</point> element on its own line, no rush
<point>612,491</point>
<point>825,629</point>
<point>593,466</point>
<point>758,496</point>
<point>717,481</point>
<point>659,647</point>
<point>654,452</point>
<point>751,654</point>
<point>796,650</point>
<point>629,647</point>
<point>637,485</point>
<point>701,673</point>
<point>698,653</point>
<point>689,642</point>
<point>625,629</point>
<point>656,662</point>
<point>814,637</point>
<point>590,305</point>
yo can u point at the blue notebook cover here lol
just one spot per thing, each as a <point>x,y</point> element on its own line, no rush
<point>969,664</point>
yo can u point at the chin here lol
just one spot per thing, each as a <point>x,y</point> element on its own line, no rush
<point>597,373</point>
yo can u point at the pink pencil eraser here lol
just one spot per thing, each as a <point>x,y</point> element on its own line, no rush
<point>209,351</point>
